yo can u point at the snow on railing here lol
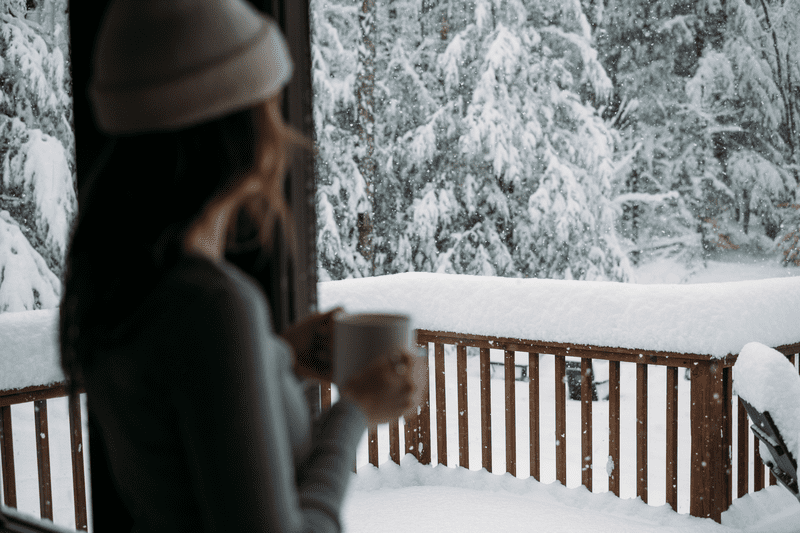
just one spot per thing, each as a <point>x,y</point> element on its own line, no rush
<point>714,319</point>
<point>29,353</point>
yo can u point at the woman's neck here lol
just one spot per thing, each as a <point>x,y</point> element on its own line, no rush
<point>208,235</point>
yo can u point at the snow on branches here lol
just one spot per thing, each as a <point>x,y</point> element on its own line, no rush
<point>37,188</point>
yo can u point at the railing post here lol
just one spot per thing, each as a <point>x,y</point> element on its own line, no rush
<point>463,407</point>
<point>7,457</point>
<point>372,445</point>
<point>441,405</point>
<point>613,426</point>
<point>672,438</point>
<point>78,479</point>
<point>587,434</point>
<point>534,415</point>
<point>42,436</point>
<point>727,436</point>
<point>561,419</point>
<point>424,419</point>
<point>641,431</point>
<point>486,410</point>
<point>509,365</point>
<point>708,456</point>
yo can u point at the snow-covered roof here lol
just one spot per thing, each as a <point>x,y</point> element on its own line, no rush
<point>714,319</point>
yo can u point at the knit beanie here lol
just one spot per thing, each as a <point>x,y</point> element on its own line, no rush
<point>169,64</point>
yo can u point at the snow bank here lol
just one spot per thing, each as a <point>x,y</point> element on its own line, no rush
<point>768,381</point>
<point>414,497</point>
<point>770,510</point>
<point>29,353</point>
<point>714,318</point>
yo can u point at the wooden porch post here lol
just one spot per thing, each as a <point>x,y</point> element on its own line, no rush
<point>707,499</point>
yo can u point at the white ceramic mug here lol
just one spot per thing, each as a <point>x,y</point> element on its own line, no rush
<point>360,338</point>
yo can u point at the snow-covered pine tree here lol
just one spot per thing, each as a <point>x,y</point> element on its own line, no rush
<point>746,90</point>
<point>650,49</point>
<point>405,99</point>
<point>37,189</point>
<point>515,163</point>
<point>365,96</point>
<point>341,189</point>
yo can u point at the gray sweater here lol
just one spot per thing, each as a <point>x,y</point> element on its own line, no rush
<point>204,422</point>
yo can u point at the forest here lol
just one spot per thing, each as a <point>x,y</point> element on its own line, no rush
<point>565,139</point>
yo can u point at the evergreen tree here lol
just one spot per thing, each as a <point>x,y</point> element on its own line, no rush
<point>744,90</point>
<point>37,189</point>
<point>515,163</point>
<point>341,191</point>
<point>492,157</point>
<point>650,50</point>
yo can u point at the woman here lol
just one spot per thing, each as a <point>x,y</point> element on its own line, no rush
<point>199,408</point>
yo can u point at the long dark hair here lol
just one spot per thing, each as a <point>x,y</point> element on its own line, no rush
<point>138,206</point>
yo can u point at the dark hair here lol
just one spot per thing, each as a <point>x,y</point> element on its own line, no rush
<point>133,218</point>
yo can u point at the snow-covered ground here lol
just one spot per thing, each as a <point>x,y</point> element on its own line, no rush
<point>423,498</point>
<point>420,499</point>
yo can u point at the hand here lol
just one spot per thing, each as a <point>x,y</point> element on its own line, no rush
<point>388,388</point>
<point>312,341</point>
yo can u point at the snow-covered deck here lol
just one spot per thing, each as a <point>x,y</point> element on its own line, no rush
<point>708,321</point>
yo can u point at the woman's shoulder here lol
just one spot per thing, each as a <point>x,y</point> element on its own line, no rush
<point>198,280</point>
<point>203,305</point>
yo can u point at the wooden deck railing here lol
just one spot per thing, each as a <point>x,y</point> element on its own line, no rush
<point>38,396</point>
<point>712,488</point>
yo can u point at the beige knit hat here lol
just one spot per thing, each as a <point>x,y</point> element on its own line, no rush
<point>169,64</point>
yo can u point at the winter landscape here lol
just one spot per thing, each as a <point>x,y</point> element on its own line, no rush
<point>650,143</point>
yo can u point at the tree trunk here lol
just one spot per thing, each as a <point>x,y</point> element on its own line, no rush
<point>366,127</point>
<point>746,206</point>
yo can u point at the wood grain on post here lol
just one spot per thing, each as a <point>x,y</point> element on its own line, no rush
<point>424,421</point>
<point>586,422</point>
<point>511,412</point>
<point>441,405</point>
<point>411,433</point>
<point>7,457</point>
<point>561,419</point>
<point>463,407</point>
<point>706,500</point>
<point>641,431</point>
<point>743,465</point>
<point>372,445</point>
<point>42,436</point>
<point>758,469</point>
<point>613,425</point>
<point>78,478</point>
<point>727,436</point>
<point>533,400</point>
<point>486,410</point>
<point>772,480</point>
<point>394,441</point>
<point>672,438</point>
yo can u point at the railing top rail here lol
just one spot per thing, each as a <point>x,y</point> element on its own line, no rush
<point>32,393</point>
<point>652,357</point>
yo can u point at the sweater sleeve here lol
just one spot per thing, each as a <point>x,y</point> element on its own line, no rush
<point>235,426</point>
